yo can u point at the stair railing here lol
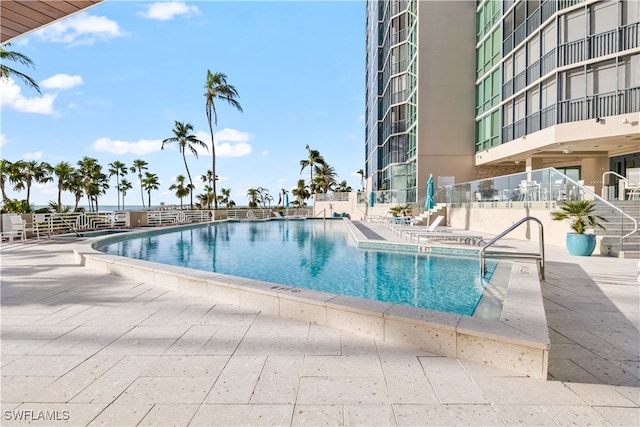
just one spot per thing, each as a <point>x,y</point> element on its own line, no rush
<point>620,178</point>
<point>538,256</point>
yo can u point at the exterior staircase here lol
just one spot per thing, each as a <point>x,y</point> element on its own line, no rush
<point>618,225</point>
<point>431,214</point>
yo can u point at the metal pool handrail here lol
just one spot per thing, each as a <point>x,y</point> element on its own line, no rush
<point>539,256</point>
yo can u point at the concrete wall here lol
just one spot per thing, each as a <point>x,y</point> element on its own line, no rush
<point>446,91</point>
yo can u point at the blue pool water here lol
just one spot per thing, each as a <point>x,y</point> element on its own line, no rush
<point>317,255</point>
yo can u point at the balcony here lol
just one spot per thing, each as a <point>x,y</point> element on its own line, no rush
<point>601,105</point>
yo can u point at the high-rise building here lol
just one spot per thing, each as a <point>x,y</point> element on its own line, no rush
<point>474,89</point>
<point>558,85</point>
<point>420,90</point>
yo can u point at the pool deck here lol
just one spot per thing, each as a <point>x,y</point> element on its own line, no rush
<point>94,348</point>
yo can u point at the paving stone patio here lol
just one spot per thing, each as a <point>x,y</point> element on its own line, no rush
<point>90,348</point>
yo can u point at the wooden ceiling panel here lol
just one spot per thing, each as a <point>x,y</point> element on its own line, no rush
<point>18,17</point>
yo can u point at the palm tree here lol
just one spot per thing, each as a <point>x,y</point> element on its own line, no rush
<point>139,165</point>
<point>150,182</point>
<point>226,197</point>
<point>98,185</point>
<point>63,171</point>
<point>89,169</point>
<point>208,188</point>
<point>283,196</point>
<point>325,179</point>
<point>28,172</point>
<point>343,187</point>
<point>6,72</point>
<point>76,186</point>
<point>185,140</point>
<point>254,195</point>
<point>5,173</point>
<point>313,159</point>
<point>117,168</point>
<point>180,188</point>
<point>301,192</point>
<point>123,187</point>
<point>216,86</point>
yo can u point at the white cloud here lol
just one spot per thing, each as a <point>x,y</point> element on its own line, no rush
<point>61,81</point>
<point>36,155</point>
<point>265,153</point>
<point>3,139</point>
<point>229,143</point>
<point>123,147</point>
<point>167,10</point>
<point>81,29</point>
<point>11,96</point>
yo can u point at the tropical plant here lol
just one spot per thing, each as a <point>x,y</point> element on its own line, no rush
<point>75,185</point>
<point>208,177</point>
<point>118,169</point>
<point>225,198</point>
<point>16,206</point>
<point>8,72</point>
<point>5,173</point>
<point>124,186</point>
<point>216,87</point>
<point>150,182</point>
<point>325,179</point>
<point>343,187</point>
<point>138,167</point>
<point>184,139</point>
<point>580,214</point>
<point>254,196</point>
<point>89,169</point>
<point>97,185</point>
<point>301,193</point>
<point>25,173</point>
<point>313,158</point>
<point>63,171</point>
<point>181,190</point>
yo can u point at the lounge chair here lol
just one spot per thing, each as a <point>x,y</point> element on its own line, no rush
<point>408,231</point>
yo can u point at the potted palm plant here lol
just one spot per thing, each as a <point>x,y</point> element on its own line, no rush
<point>580,214</point>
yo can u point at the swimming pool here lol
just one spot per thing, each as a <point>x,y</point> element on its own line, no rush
<point>314,254</point>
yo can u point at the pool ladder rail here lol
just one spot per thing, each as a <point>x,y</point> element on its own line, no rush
<point>539,256</point>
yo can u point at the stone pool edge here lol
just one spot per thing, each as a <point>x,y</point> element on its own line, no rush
<point>518,341</point>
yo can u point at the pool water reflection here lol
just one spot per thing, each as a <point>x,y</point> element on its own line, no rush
<point>314,254</point>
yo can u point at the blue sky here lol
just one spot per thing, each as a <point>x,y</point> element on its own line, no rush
<point>115,78</point>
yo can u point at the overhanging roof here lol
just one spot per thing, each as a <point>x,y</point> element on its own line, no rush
<point>21,17</point>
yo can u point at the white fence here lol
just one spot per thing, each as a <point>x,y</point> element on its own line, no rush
<point>56,223</point>
<point>256,214</point>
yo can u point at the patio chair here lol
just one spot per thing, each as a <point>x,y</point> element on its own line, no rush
<point>14,226</point>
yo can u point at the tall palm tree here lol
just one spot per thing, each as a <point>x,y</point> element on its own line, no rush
<point>63,171</point>
<point>118,169</point>
<point>301,192</point>
<point>314,158</point>
<point>139,165</point>
<point>150,182</point>
<point>180,188</point>
<point>28,172</point>
<point>185,139</point>
<point>216,86</point>
<point>325,179</point>
<point>97,186</point>
<point>124,186</point>
<point>6,72</point>
<point>89,169</point>
<point>5,173</point>
<point>76,187</point>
